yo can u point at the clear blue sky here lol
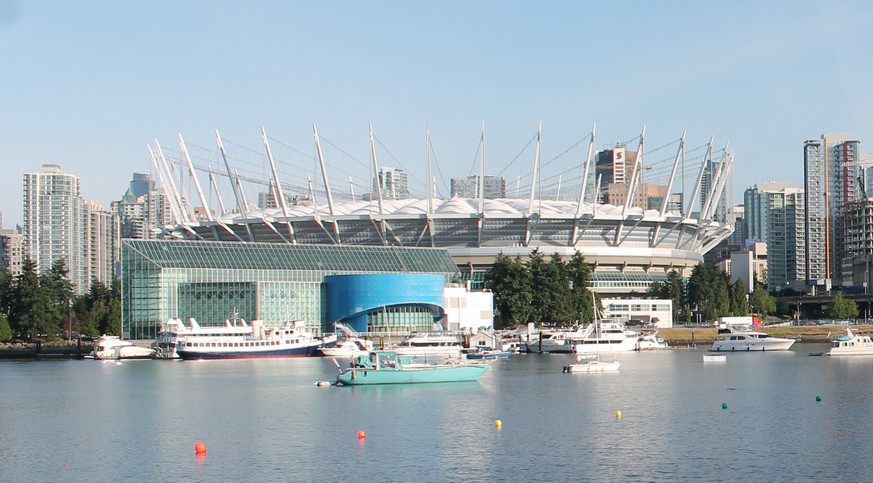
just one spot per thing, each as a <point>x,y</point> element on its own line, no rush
<point>89,84</point>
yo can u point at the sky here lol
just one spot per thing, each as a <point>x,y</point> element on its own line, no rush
<point>91,85</point>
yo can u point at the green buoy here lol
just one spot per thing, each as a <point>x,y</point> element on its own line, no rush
<point>818,399</point>
<point>724,405</point>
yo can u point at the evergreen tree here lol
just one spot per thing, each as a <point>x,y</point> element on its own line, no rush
<point>676,293</point>
<point>581,303</point>
<point>5,330</point>
<point>58,291</point>
<point>509,280</point>
<point>540,298</point>
<point>26,310</point>
<point>5,292</point>
<point>556,288</point>
<point>739,302</point>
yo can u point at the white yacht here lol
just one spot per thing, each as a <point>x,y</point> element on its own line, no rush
<point>851,345</point>
<point>607,336</point>
<point>348,348</point>
<point>748,340</point>
<point>650,341</point>
<point>440,343</point>
<point>108,347</point>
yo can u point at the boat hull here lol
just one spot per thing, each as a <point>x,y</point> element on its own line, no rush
<point>771,344</point>
<point>592,366</point>
<point>195,354</point>
<point>364,377</point>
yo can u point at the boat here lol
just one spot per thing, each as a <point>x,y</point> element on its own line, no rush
<point>388,367</point>
<point>112,347</point>
<point>440,343</point>
<point>650,341</point>
<point>348,348</point>
<point>607,336</point>
<point>488,354</point>
<point>172,329</point>
<point>749,340</point>
<point>714,358</point>
<point>588,363</point>
<point>351,345</point>
<point>292,339</point>
<point>556,341</point>
<point>851,345</point>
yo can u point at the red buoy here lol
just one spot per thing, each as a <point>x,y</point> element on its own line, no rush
<point>199,448</point>
<point>362,435</point>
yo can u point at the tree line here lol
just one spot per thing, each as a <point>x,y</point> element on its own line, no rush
<point>551,291</point>
<point>45,305</point>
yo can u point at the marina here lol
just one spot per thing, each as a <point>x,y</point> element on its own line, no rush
<point>441,432</point>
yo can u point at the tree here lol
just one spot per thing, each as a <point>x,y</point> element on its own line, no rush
<point>708,292</point>
<point>540,299</point>
<point>761,302</point>
<point>739,302</point>
<point>5,330</point>
<point>58,291</point>
<point>841,308</point>
<point>579,276</point>
<point>509,280</point>
<point>27,315</point>
<point>556,287</point>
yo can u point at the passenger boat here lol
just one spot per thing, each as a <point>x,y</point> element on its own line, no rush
<point>607,336</point>
<point>748,340</point>
<point>172,329</point>
<point>110,347</point>
<point>388,367</point>
<point>439,343</point>
<point>851,345</point>
<point>292,339</point>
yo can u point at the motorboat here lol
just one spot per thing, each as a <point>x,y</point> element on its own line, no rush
<point>292,339</point>
<point>348,348</point>
<point>388,367</point>
<point>172,329</point>
<point>607,336</point>
<point>589,363</point>
<point>112,347</point>
<point>650,341</point>
<point>851,345</point>
<point>749,340</point>
<point>439,343</point>
<point>488,354</point>
<point>714,358</point>
<point>556,341</point>
<point>350,345</point>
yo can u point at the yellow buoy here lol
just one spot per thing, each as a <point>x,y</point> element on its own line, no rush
<point>618,415</point>
<point>498,424</point>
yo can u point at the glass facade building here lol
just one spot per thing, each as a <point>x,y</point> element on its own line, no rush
<point>215,281</point>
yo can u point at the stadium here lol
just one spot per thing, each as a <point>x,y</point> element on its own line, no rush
<point>635,214</point>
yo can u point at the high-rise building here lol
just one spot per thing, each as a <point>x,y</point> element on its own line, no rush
<point>833,177</point>
<point>52,222</point>
<point>394,183</point>
<point>494,187</point>
<point>858,250</point>
<point>102,243</point>
<point>707,185</point>
<point>142,209</point>
<point>614,168</point>
<point>11,252</point>
<point>774,214</point>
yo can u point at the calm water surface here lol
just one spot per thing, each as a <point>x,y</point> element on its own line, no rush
<point>264,420</point>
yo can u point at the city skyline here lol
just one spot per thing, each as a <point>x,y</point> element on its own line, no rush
<point>95,83</point>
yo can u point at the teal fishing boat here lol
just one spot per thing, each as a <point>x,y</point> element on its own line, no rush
<point>386,367</point>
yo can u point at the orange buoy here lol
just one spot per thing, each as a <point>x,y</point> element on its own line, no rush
<point>362,435</point>
<point>199,448</point>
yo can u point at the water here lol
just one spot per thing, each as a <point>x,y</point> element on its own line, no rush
<point>264,420</point>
